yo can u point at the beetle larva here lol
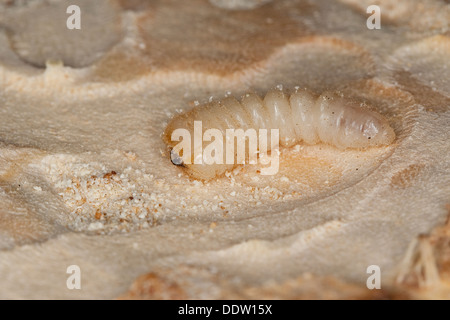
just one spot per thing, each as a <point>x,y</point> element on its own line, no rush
<point>303,116</point>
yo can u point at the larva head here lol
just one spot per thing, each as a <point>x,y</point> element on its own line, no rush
<point>345,124</point>
<point>179,137</point>
<point>177,134</point>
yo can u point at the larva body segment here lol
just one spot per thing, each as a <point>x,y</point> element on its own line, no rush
<point>279,114</point>
<point>235,110</point>
<point>252,104</point>
<point>343,123</point>
<point>304,116</point>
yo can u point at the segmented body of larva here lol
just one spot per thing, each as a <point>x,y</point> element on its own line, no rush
<point>303,116</point>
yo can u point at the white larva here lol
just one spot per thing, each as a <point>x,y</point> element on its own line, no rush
<point>303,116</point>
